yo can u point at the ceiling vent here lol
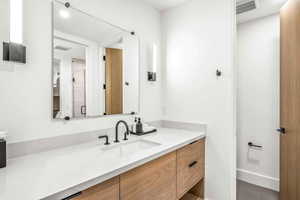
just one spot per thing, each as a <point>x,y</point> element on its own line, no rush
<point>243,6</point>
<point>62,48</point>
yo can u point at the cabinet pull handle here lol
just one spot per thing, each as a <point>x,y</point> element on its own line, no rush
<point>192,164</point>
<point>73,196</point>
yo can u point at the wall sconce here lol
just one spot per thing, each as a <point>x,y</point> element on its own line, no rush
<point>152,76</point>
<point>14,50</point>
<point>153,69</point>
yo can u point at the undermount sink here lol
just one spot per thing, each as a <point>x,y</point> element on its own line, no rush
<point>129,148</point>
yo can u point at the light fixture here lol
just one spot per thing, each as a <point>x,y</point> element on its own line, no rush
<point>16,21</point>
<point>64,14</point>
<point>14,50</point>
<point>152,71</point>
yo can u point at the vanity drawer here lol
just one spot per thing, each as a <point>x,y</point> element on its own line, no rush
<point>155,180</point>
<point>190,166</point>
<point>103,191</point>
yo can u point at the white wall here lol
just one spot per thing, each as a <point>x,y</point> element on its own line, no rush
<point>25,101</point>
<point>130,74</point>
<point>94,80</point>
<point>4,25</point>
<point>199,38</point>
<point>258,100</point>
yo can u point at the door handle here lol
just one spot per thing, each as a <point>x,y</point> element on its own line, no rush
<point>250,144</point>
<point>281,130</point>
<point>83,110</point>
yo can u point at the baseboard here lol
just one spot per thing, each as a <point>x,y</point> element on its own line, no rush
<point>258,179</point>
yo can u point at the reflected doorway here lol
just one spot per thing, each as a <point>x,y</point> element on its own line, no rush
<point>113,81</point>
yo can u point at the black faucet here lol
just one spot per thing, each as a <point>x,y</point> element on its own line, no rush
<point>117,131</point>
<point>106,139</point>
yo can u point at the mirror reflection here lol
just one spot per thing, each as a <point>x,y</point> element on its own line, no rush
<point>95,66</point>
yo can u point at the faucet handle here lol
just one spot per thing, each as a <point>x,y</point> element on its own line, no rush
<point>106,139</point>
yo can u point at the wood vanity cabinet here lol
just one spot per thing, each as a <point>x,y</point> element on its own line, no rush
<point>108,190</point>
<point>155,180</point>
<point>166,178</point>
<point>190,166</point>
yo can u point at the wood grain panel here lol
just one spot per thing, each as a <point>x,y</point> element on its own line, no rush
<point>198,189</point>
<point>290,101</point>
<point>108,190</point>
<point>114,81</point>
<point>153,181</point>
<point>187,174</point>
<point>189,196</point>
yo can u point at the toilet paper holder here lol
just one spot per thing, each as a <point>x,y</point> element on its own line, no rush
<point>251,144</point>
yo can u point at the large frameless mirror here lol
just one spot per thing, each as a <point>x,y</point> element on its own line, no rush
<point>95,68</point>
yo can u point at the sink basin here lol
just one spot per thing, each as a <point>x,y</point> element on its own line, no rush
<point>131,147</point>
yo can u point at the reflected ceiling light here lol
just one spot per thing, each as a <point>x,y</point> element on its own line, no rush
<point>154,62</point>
<point>152,71</point>
<point>16,21</point>
<point>64,14</point>
<point>14,50</point>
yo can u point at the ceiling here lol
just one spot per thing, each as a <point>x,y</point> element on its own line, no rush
<point>164,4</point>
<point>74,50</point>
<point>266,7</point>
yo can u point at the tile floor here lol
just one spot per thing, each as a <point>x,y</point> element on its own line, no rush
<point>247,191</point>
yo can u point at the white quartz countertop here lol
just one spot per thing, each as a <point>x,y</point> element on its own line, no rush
<point>44,175</point>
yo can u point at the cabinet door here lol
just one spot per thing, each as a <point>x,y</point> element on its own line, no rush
<point>108,190</point>
<point>190,166</point>
<point>153,181</point>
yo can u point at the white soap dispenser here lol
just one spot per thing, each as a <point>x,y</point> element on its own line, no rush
<point>133,126</point>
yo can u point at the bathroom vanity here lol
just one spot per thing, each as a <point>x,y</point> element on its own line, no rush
<point>177,171</point>
<point>161,166</point>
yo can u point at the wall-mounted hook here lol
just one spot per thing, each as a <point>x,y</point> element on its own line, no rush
<point>67,4</point>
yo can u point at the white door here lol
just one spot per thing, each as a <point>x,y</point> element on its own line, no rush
<point>79,103</point>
